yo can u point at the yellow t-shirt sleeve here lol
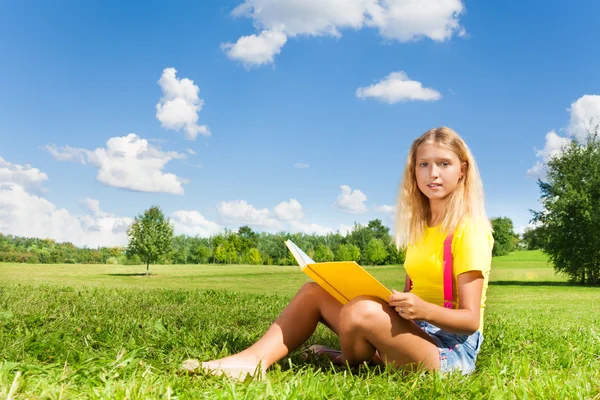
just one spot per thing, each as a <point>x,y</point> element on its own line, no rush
<point>472,249</point>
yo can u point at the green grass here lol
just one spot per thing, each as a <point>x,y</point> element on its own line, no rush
<point>89,331</point>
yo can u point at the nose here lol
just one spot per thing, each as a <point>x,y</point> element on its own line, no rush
<point>434,171</point>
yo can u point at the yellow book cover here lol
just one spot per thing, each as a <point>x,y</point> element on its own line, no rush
<point>344,280</point>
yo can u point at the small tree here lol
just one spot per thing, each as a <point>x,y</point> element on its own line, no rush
<point>323,253</point>
<point>504,236</point>
<point>253,256</point>
<point>150,236</point>
<point>570,220</point>
<point>347,252</point>
<point>532,238</point>
<point>376,252</point>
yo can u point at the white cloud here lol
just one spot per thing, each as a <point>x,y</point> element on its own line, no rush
<point>289,211</point>
<point>351,201</point>
<point>386,209</point>
<point>92,206</point>
<point>191,152</point>
<point>552,148</point>
<point>127,162</point>
<point>178,108</point>
<point>301,166</point>
<point>240,212</point>
<point>193,223</point>
<point>29,215</point>
<point>397,87</point>
<point>406,20</point>
<point>24,175</point>
<point>256,50</point>
<point>402,20</point>
<point>585,115</point>
<point>66,153</point>
<point>345,229</point>
<point>309,229</point>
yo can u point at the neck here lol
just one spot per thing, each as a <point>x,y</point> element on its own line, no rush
<point>437,211</point>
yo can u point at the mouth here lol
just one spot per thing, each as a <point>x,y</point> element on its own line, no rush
<point>434,185</point>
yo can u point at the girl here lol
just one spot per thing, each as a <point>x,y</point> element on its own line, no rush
<point>441,194</point>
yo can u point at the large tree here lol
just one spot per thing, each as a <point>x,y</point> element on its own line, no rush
<point>150,236</point>
<point>570,220</point>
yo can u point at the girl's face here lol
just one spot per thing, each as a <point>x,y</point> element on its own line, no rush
<point>438,170</point>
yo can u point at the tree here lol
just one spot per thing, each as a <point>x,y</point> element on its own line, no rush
<point>532,239</point>
<point>504,236</point>
<point>360,236</point>
<point>570,219</point>
<point>323,253</point>
<point>376,252</point>
<point>347,252</point>
<point>253,256</point>
<point>379,230</point>
<point>150,236</point>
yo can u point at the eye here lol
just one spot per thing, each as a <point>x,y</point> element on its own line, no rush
<point>423,164</point>
<point>445,164</point>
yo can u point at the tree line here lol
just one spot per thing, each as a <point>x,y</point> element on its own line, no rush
<point>369,244</point>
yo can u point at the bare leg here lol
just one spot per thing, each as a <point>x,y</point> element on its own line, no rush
<point>291,329</point>
<point>368,325</point>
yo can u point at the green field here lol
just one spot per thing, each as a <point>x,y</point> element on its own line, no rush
<point>107,331</point>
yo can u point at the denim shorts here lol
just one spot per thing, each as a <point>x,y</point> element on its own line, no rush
<point>457,352</point>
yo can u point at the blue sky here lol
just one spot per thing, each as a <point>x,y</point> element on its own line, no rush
<point>301,113</point>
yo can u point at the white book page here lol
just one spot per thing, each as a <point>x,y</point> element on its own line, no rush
<point>299,255</point>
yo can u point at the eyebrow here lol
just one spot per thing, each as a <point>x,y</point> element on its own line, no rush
<point>438,159</point>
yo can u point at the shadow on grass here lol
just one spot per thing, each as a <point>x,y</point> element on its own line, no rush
<point>140,274</point>
<point>531,283</point>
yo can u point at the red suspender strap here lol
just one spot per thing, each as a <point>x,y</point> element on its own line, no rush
<point>448,281</point>
<point>448,295</point>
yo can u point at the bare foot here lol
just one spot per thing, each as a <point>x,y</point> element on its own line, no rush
<point>234,367</point>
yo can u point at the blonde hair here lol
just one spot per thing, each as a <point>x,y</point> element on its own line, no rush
<point>466,201</point>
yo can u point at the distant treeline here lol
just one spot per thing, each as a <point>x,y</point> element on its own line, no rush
<point>368,245</point>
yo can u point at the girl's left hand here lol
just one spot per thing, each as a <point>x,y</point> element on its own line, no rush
<point>409,306</point>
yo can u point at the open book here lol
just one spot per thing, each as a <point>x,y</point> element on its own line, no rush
<point>344,280</point>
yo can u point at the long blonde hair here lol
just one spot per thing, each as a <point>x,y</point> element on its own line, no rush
<point>466,201</point>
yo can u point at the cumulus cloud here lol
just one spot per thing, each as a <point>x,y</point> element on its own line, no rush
<point>178,108</point>
<point>552,148</point>
<point>23,213</point>
<point>397,87</point>
<point>256,50</point>
<point>242,213</point>
<point>193,223</point>
<point>92,206</point>
<point>386,209</point>
<point>308,228</point>
<point>585,115</point>
<point>289,210</point>
<point>127,162</point>
<point>25,175</point>
<point>401,20</point>
<point>351,201</point>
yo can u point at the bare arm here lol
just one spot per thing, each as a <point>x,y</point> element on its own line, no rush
<point>464,320</point>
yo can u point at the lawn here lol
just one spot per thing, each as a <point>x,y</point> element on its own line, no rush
<point>106,331</point>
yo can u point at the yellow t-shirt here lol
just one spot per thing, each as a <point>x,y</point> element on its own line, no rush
<point>471,251</point>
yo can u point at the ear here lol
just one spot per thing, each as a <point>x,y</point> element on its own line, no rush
<point>463,170</point>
